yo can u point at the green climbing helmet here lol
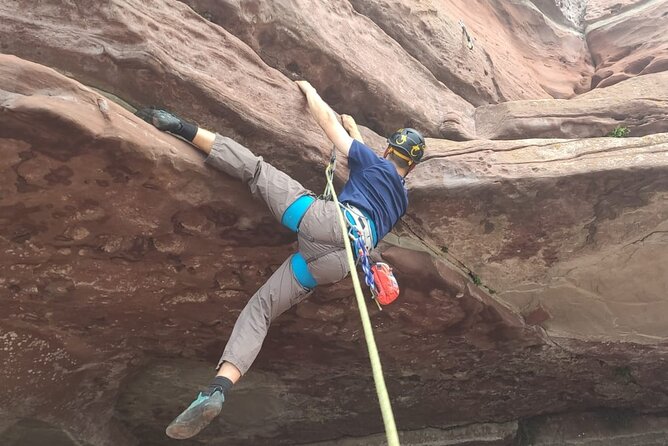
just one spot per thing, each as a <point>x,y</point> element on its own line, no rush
<point>407,144</point>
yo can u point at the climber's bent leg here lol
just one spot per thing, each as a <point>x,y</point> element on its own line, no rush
<point>287,199</point>
<point>277,295</point>
<point>320,224</point>
<point>290,284</point>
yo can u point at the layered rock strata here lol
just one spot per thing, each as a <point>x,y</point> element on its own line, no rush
<point>631,42</point>
<point>557,224</point>
<point>639,105</point>
<point>111,303</point>
<point>533,271</point>
<point>215,67</point>
<point>488,52</point>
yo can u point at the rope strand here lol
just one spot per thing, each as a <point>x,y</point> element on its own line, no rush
<point>379,380</point>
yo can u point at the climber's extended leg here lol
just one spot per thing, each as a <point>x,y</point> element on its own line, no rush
<point>317,263</point>
<point>288,285</point>
<point>286,198</point>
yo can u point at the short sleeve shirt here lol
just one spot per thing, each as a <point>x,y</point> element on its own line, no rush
<point>375,186</point>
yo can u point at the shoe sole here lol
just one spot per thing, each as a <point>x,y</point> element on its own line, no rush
<point>182,429</point>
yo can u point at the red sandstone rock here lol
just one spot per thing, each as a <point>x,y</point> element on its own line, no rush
<point>518,53</point>
<point>536,316</point>
<point>135,50</point>
<point>639,104</point>
<point>577,226</point>
<point>359,68</point>
<point>633,42</point>
<point>125,261</point>
<point>225,67</point>
<point>603,9</point>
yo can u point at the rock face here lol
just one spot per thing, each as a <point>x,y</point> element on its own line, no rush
<point>518,52</point>
<point>119,47</point>
<point>331,45</point>
<point>508,61</point>
<point>79,233</point>
<point>533,271</point>
<point>630,43</point>
<point>604,9</point>
<point>99,57</point>
<point>611,427</point>
<point>640,105</point>
<point>558,225</point>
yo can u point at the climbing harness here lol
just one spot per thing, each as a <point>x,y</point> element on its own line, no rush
<point>381,389</point>
<point>360,225</point>
<point>361,233</point>
<point>378,277</point>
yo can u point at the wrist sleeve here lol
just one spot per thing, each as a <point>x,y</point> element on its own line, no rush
<point>187,131</point>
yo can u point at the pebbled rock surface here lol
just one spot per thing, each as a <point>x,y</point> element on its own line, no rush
<point>557,226</point>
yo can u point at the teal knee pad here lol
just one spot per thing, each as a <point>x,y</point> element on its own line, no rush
<point>295,212</point>
<point>301,272</point>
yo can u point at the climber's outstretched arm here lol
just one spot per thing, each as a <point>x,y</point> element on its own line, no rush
<point>326,118</point>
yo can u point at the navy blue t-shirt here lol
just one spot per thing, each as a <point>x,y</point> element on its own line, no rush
<point>375,186</point>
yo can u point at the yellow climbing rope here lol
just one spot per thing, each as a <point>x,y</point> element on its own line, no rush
<point>381,389</point>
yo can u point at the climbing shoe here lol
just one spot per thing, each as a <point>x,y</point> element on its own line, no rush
<point>161,119</point>
<point>197,416</point>
<point>168,122</point>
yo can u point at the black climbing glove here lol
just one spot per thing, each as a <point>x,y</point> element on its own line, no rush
<point>167,122</point>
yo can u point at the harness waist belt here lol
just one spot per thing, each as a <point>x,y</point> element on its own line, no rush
<point>360,222</point>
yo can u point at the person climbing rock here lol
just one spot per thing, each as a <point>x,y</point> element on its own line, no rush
<point>373,199</point>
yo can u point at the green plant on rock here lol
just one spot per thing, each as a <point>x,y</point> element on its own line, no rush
<point>620,132</point>
<point>475,278</point>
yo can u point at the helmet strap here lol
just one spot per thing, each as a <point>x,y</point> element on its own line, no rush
<point>411,163</point>
<point>400,155</point>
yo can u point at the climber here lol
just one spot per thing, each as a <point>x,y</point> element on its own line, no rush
<point>373,200</point>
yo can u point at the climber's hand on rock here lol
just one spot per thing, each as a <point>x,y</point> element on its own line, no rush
<point>350,126</point>
<point>348,123</point>
<point>161,119</point>
<point>305,87</point>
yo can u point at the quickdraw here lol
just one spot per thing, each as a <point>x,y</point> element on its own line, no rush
<point>363,259</point>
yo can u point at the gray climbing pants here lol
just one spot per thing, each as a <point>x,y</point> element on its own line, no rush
<point>320,243</point>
